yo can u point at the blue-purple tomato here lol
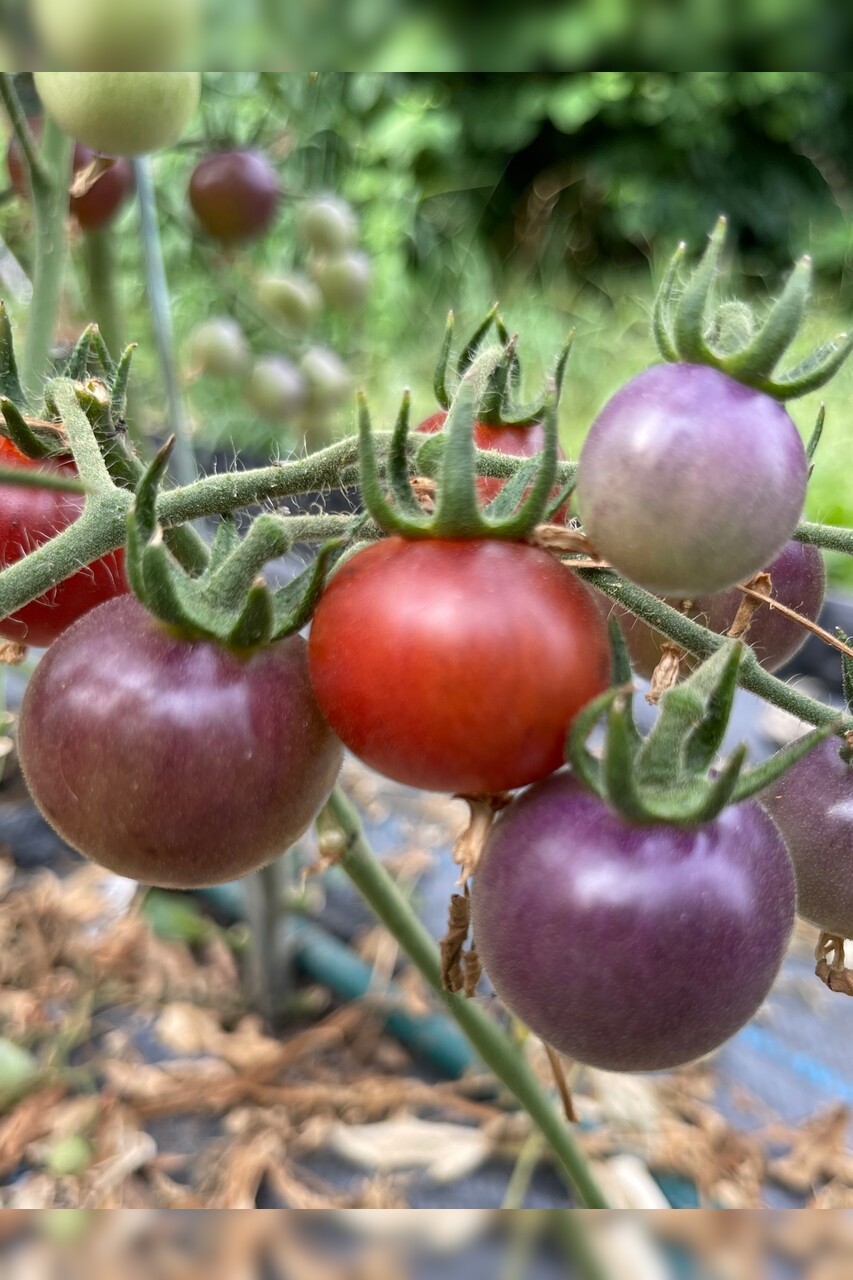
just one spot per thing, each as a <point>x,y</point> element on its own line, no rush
<point>456,666</point>
<point>234,194</point>
<point>174,762</point>
<point>689,481</point>
<point>798,576</point>
<point>812,805</point>
<point>630,947</point>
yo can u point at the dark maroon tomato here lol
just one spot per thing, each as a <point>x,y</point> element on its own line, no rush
<point>456,666</point>
<point>630,948</point>
<point>799,581</point>
<point>689,482</point>
<point>29,517</point>
<point>812,805</point>
<point>173,762</point>
<point>520,442</point>
<point>234,194</point>
<point>100,204</point>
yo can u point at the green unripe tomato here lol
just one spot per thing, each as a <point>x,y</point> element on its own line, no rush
<point>328,225</point>
<point>294,299</point>
<point>276,389</point>
<point>124,113</point>
<point>219,346</point>
<point>329,380</point>
<point>69,1156</point>
<point>344,282</point>
<point>105,34</point>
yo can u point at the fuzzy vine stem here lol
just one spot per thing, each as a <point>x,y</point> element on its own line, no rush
<point>50,208</point>
<point>99,262</point>
<point>161,313</point>
<point>494,1046</point>
<point>828,536</point>
<point>36,171</point>
<point>697,640</point>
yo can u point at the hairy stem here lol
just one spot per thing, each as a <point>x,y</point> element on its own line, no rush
<point>36,172</point>
<point>497,1049</point>
<point>99,263</point>
<point>828,536</point>
<point>701,642</point>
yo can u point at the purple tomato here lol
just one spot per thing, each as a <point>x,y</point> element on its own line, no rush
<point>175,762</point>
<point>689,482</point>
<point>234,194</point>
<point>812,805</point>
<point>630,947</point>
<point>799,581</point>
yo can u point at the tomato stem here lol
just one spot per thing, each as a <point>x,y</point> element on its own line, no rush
<point>494,1046</point>
<point>161,313</point>
<point>99,262</point>
<point>50,208</point>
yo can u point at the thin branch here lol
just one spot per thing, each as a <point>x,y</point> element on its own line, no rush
<point>161,314</point>
<point>36,172</point>
<point>495,1047</point>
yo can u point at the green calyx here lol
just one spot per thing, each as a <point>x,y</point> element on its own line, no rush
<point>666,776</point>
<point>497,403</point>
<point>230,601</point>
<point>101,385</point>
<point>730,339</point>
<point>451,456</point>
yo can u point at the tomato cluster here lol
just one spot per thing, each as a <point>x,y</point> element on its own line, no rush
<point>235,196</point>
<point>457,654</point>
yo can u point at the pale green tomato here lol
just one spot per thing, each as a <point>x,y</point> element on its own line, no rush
<point>328,225</point>
<point>276,389</point>
<point>123,113</point>
<point>293,299</point>
<point>344,282</point>
<point>130,34</point>
<point>219,346</point>
<point>329,380</point>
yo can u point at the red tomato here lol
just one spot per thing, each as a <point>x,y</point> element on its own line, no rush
<point>104,198</point>
<point>456,666</point>
<point>522,442</point>
<point>29,517</point>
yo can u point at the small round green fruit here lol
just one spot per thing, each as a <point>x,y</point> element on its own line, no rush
<point>123,113</point>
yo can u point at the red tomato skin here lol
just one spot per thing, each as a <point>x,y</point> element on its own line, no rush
<point>101,203</point>
<point>520,442</point>
<point>456,666</point>
<point>173,762</point>
<point>28,518</point>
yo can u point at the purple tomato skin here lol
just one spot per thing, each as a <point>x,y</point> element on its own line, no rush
<point>799,581</point>
<point>234,194</point>
<point>172,762</point>
<point>690,482</point>
<point>630,947</point>
<point>812,805</point>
